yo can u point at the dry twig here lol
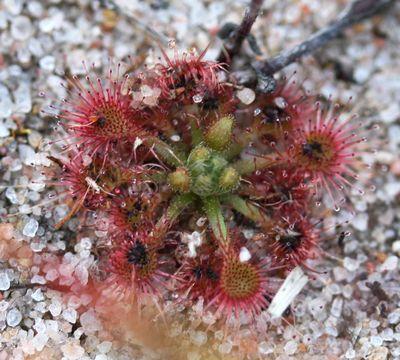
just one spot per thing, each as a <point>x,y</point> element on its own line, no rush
<point>232,47</point>
<point>357,11</point>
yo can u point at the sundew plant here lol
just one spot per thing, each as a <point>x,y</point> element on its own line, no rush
<point>177,161</point>
<point>206,189</point>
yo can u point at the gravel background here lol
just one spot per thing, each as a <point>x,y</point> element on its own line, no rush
<point>352,312</point>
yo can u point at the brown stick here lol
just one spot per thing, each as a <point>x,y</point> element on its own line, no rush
<point>357,11</point>
<point>232,47</point>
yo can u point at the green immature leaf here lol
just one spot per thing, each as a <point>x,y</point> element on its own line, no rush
<point>241,140</point>
<point>177,205</point>
<point>213,211</point>
<point>165,151</point>
<point>247,209</point>
<point>179,180</point>
<point>229,179</point>
<point>248,166</point>
<point>219,135</point>
<point>157,177</point>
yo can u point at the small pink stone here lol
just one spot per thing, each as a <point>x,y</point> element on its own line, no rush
<point>395,167</point>
<point>6,232</point>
